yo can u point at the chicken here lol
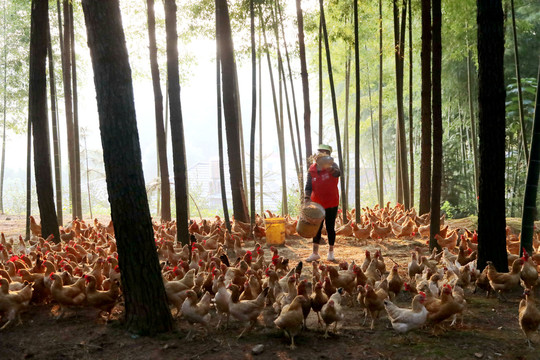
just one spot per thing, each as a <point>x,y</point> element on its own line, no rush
<point>102,300</point>
<point>404,320</point>
<point>529,316</point>
<point>413,267</point>
<point>286,298</point>
<point>345,230</point>
<point>529,273</point>
<point>449,306</point>
<point>331,312</point>
<point>248,310</point>
<point>196,312</point>
<point>13,302</point>
<point>379,232</point>
<point>343,279</point>
<point>71,295</point>
<point>395,283</point>
<point>222,299</point>
<point>501,282</point>
<point>374,302</point>
<point>176,290</point>
<point>361,233</point>
<point>35,228</point>
<point>318,299</point>
<point>449,242</point>
<point>291,318</point>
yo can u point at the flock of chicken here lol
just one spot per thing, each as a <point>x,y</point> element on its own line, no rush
<point>217,276</point>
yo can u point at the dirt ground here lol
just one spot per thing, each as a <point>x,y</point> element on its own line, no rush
<point>490,329</point>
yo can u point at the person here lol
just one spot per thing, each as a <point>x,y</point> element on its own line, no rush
<point>322,188</point>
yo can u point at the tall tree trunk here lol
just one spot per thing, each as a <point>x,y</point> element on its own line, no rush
<point>261,180</point>
<point>344,206</point>
<point>278,123</point>
<point>357,117</point>
<point>165,188</point>
<point>29,180</point>
<point>373,137</point>
<point>491,101</point>
<point>437,126</point>
<point>293,93</point>
<point>305,80</point>
<point>230,101</point>
<point>253,117</point>
<point>77,148</point>
<point>474,144</point>
<point>66,75</point>
<point>219,124</point>
<point>147,311</point>
<point>55,131</point>
<point>411,149</point>
<point>345,170</point>
<point>37,115</point>
<point>320,87</point>
<point>531,187</point>
<point>381,176</point>
<point>518,80</point>
<point>399,34</point>
<point>3,165</point>
<point>425,155</point>
<point>177,126</point>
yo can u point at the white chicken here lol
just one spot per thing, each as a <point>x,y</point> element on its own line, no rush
<point>404,320</point>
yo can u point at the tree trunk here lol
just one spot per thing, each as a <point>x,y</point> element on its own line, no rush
<point>230,101</point>
<point>344,206</point>
<point>253,117</point>
<point>219,124</point>
<point>320,87</point>
<point>77,148</point>
<point>261,180</point>
<point>147,311</point>
<point>3,160</point>
<point>55,131</point>
<point>411,149</point>
<point>278,123</point>
<point>437,126</point>
<point>518,80</point>
<point>425,155</point>
<point>165,188</point>
<point>29,181</point>
<point>474,144</point>
<point>177,126</point>
<point>37,115</point>
<point>357,117</point>
<point>491,100</point>
<point>66,75</point>
<point>305,81</point>
<point>345,171</point>
<point>531,187</point>
<point>381,176</point>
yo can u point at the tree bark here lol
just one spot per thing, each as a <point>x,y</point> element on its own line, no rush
<point>55,131</point>
<point>425,155</point>
<point>437,126</point>
<point>66,75</point>
<point>474,144</point>
<point>491,100</point>
<point>219,124</point>
<point>76,146</point>
<point>158,109</point>
<point>357,117</point>
<point>381,176</point>
<point>3,160</point>
<point>253,117</point>
<point>531,187</point>
<point>177,126</point>
<point>230,102</point>
<point>411,149</point>
<point>305,81</point>
<point>37,115</point>
<point>147,311</point>
<point>344,206</point>
<point>320,86</point>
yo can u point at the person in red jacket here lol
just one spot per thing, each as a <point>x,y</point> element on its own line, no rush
<point>322,188</point>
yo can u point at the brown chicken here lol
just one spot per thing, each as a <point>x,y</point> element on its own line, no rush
<point>503,282</point>
<point>102,300</point>
<point>529,316</point>
<point>35,228</point>
<point>196,312</point>
<point>13,302</point>
<point>449,306</point>
<point>361,233</point>
<point>395,282</point>
<point>529,273</point>
<point>248,310</point>
<point>374,303</point>
<point>71,295</point>
<point>318,299</point>
<point>291,318</point>
<point>331,312</point>
<point>343,279</point>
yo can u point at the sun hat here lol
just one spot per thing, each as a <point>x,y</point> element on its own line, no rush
<point>325,147</point>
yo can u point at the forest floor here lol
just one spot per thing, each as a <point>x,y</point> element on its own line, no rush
<point>490,329</point>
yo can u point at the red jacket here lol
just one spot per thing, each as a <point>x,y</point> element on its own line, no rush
<point>324,187</point>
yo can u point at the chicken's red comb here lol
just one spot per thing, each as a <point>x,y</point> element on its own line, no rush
<point>422,293</point>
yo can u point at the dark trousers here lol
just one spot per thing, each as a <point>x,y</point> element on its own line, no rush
<point>330,221</point>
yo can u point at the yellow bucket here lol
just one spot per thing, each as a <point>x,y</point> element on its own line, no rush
<point>275,231</point>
